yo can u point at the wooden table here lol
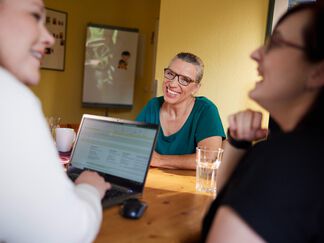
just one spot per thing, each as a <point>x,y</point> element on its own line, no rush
<point>174,214</point>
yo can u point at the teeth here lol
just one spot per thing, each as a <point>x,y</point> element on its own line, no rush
<point>259,81</point>
<point>172,92</point>
<point>36,54</point>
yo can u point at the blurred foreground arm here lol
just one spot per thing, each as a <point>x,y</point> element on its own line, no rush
<point>225,223</point>
<point>244,127</point>
<point>95,180</point>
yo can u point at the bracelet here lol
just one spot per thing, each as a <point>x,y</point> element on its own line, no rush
<point>239,144</point>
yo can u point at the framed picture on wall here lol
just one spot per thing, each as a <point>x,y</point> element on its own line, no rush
<point>109,66</point>
<point>56,23</point>
<point>277,8</point>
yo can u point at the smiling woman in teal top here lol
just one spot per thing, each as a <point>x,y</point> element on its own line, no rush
<point>186,121</point>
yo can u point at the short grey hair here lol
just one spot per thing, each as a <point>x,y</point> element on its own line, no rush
<point>193,59</point>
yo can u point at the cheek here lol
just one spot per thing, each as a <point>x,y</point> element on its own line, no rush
<point>163,85</point>
<point>190,89</point>
<point>10,60</point>
<point>276,89</point>
<point>15,50</point>
<point>289,80</point>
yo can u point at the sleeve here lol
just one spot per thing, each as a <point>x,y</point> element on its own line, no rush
<point>209,124</point>
<point>279,197</point>
<point>38,201</point>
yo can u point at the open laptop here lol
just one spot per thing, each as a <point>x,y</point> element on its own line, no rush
<point>119,150</point>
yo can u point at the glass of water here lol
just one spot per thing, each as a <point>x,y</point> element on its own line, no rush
<point>207,162</point>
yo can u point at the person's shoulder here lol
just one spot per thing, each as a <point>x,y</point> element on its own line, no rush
<point>203,102</point>
<point>306,137</point>
<point>8,81</point>
<point>159,99</point>
<point>156,101</point>
<point>298,147</point>
<point>10,85</point>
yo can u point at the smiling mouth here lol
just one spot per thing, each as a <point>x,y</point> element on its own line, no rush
<point>260,76</point>
<point>259,82</point>
<point>171,92</point>
<point>38,55</point>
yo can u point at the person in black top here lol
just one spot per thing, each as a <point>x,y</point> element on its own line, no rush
<point>273,191</point>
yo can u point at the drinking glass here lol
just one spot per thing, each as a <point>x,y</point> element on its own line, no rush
<point>207,162</point>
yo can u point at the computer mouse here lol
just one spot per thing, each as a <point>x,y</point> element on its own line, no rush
<point>133,208</point>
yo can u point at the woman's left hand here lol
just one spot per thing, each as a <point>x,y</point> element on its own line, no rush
<point>246,125</point>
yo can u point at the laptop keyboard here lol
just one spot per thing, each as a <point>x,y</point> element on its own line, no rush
<point>112,193</point>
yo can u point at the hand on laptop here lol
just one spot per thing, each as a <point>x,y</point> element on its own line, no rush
<point>92,178</point>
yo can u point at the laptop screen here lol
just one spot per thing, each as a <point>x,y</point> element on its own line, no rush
<point>115,147</point>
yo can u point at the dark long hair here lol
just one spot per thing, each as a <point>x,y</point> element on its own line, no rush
<point>313,36</point>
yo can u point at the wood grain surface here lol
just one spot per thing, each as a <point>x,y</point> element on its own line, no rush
<point>174,214</point>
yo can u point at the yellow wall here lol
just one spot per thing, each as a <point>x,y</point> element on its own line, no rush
<point>60,92</point>
<point>222,33</point>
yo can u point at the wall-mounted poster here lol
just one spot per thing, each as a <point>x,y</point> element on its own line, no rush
<point>109,66</point>
<point>56,23</point>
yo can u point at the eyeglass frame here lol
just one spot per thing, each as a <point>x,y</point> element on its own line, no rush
<point>179,75</point>
<point>276,41</point>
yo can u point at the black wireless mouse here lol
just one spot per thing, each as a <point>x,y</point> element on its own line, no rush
<point>133,208</point>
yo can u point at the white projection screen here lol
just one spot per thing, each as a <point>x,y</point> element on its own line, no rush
<point>109,66</point>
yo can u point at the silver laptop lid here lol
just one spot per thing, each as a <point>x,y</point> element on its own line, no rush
<point>119,149</point>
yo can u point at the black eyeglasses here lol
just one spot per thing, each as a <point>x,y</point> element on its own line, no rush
<point>276,41</point>
<point>183,80</point>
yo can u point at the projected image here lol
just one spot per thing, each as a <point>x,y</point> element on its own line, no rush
<point>109,67</point>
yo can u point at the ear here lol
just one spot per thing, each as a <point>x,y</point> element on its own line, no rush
<point>316,78</point>
<point>196,88</point>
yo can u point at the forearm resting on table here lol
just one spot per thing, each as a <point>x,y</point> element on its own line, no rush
<point>186,161</point>
<point>230,160</point>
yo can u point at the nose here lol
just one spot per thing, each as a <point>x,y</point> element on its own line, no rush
<point>174,81</point>
<point>47,39</point>
<point>257,54</point>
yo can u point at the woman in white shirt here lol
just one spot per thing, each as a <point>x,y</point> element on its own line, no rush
<point>38,202</point>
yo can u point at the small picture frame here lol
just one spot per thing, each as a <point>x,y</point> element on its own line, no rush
<point>56,24</point>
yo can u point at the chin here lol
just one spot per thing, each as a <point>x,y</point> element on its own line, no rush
<point>32,75</point>
<point>168,99</point>
<point>31,80</point>
<point>256,93</point>
<point>260,100</point>
<point>252,94</point>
